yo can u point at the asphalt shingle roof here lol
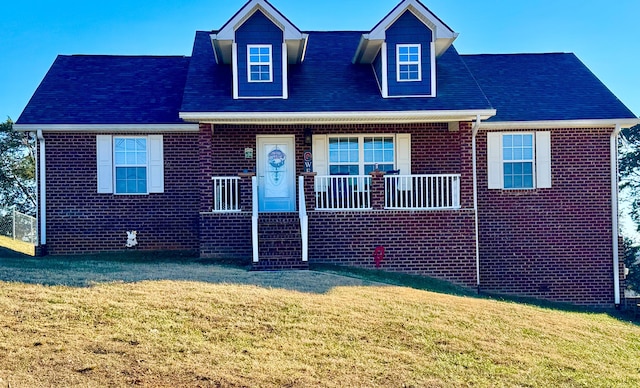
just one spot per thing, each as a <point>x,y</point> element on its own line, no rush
<point>326,81</point>
<point>98,89</point>
<point>533,87</point>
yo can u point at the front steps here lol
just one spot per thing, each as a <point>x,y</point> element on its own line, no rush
<point>279,243</point>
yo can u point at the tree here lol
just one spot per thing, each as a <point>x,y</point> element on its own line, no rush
<point>17,169</point>
<point>631,252</point>
<point>630,187</point>
<point>630,170</point>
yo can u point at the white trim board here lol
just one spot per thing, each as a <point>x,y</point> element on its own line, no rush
<point>336,117</point>
<point>147,128</point>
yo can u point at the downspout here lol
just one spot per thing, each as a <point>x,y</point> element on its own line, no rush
<point>43,190</point>
<point>476,127</point>
<point>614,214</point>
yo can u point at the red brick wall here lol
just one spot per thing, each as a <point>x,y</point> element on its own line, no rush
<point>435,243</point>
<point>226,236</point>
<point>81,220</point>
<point>552,243</point>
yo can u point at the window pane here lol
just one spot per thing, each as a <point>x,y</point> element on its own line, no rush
<point>508,182</point>
<point>507,140</point>
<point>388,156</point>
<point>131,180</point>
<point>518,175</point>
<point>517,140</point>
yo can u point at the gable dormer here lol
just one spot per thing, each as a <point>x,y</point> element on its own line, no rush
<point>259,43</point>
<point>403,49</point>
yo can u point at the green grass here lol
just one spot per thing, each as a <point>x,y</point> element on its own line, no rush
<point>354,331</point>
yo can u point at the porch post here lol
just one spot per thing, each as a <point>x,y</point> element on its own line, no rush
<point>309,190</point>
<point>246,200</point>
<point>377,190</point>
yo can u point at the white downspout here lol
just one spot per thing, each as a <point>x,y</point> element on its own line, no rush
<point>614,214</point>
<point>476,127</point>
<point>43,190</point>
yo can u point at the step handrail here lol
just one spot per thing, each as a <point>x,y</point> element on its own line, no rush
<point>304,220</point>
<point>254,218</point>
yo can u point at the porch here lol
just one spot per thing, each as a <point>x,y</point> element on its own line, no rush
<point>418,219</point>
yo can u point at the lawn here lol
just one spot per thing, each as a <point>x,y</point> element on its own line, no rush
<point>347,332</point>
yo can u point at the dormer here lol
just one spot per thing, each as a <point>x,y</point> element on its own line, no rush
<point>403,49</point>
<point>259,43</point>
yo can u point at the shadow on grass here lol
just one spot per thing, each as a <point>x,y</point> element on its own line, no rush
<point>131,266</point>
<point>135,266</point>
<point>443,287</point>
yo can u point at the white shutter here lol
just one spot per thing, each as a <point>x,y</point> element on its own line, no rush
<point>104,152</point>
<point>320,149</point>
<point>543,160</point>
<point>495,177</point>
<point>156,164</point>
<point>403,159</point>
<point>403,153</point>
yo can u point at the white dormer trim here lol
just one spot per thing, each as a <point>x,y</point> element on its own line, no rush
<point>222,40</point>
<point>370,43</point>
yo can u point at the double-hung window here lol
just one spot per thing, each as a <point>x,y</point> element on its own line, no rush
<point>409,66</point>
<point>260,64</point>
<point>519,160</point>
<point>517,156</point>
<point>359,155</point>
<point>130,164</point>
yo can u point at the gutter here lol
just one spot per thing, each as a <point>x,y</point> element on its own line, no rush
<point>614,214</point>
<point>476,127</point>
<point>43,190</point>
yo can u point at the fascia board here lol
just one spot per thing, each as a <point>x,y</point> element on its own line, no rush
<point>440,30</point>
<point>150,128</point>
<point>336,117</point>
<point>550,124</point>
<point>228,30</point>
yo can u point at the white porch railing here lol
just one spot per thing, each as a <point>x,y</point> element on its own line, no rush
<point>304,219</point>
<point>422,192</point>
<point>254,218</point>
<point>226,194</point>
<point>337,192</point>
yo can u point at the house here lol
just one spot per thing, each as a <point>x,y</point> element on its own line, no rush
<point>382,148</point>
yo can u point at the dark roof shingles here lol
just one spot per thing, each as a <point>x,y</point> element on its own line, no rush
<point>96,89</point>
<point>535,87</point>
<point>326,81</point>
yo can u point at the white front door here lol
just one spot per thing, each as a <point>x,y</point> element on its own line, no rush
<point>276,173</point>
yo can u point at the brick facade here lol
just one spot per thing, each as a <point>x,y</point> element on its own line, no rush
<point>546,243</point>
<point>81,220</point>
<point>552,243</point>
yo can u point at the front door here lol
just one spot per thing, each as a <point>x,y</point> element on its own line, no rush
<point>276,173</point>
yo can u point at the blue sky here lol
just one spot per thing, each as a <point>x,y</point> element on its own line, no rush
<point>603,34</point>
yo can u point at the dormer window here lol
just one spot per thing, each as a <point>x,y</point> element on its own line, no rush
<point>408,61</point>
<point>260,64</point>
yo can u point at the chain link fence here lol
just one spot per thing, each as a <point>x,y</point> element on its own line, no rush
<point>18,226</point>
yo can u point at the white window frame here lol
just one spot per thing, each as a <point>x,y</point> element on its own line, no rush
<point>361,160</point>
<point>409,62</point>
<point>106,166</point>
<point>522,160</point>
<point>541,160</point>
<point>259,63</point>
<point>145,165</point>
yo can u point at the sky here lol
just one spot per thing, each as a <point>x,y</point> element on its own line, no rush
<point>603,34</point>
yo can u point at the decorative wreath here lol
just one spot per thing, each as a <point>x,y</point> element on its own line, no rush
<point>277,158</point>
